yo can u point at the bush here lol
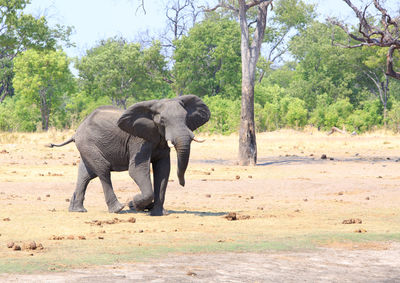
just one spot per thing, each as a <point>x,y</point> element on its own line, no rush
<point>366,118</point>
<point>225,115</point>
<point>293,112</point>
<point>269,117</point>
<point>394,117</point>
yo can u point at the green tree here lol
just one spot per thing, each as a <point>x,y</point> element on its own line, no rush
<point>323,69</point>
<point>19,32</point>
<point>207,60</point>
<point>121,70</point>
<point>42,81</point>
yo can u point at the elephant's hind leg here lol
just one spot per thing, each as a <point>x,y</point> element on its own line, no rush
<point>114,206</point>
<point>84,177</point>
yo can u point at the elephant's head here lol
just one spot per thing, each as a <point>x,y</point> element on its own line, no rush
<point>167,120</point>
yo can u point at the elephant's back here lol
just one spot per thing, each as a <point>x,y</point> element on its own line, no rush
<point>100,128</point>
<point>102,117</point>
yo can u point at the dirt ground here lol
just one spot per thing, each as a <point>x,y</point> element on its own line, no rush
<point>291,212</point>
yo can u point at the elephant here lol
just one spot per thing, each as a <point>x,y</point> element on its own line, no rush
<point>111,139</point>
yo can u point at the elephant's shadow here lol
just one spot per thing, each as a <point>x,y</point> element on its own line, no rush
<point>169,212</point>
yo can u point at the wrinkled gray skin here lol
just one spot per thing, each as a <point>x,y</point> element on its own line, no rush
<point>110,139</point>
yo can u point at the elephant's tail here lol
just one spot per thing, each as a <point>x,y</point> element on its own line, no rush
<point>61,144</point>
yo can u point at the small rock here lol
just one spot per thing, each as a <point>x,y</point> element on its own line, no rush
<point>57,238</point>
<point>141,231</point>
<point>208,195</point>
<point>39,247</point>
<point>191,273</point>
<point>16,248</point>
<point>352,221</point>
<point>250,177</point>
<point>71,237</point>
<point>367,198</point>
<point>47,196</point>
<point>323,156</point>
<point>305,199</point>
<point>30,246</point>
<point>361,230</point>
<point>237,177</point>
<point>10,245</point>
<point>132,220</point>
<point>231,216</point>
<point>6,219</point>
<point>340,193</point>
<point>81,237</point>
<point>100,238</point>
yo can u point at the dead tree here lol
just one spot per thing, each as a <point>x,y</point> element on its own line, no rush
<point>250,52</point>
<point>385,34</point>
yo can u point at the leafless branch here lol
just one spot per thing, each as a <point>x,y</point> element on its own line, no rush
<point>222,5</point>
<point>141,6</point>
<point>385,35</point>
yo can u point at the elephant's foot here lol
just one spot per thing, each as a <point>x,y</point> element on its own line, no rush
<point>158,212</point>
<point>132,206</point>
<point>116,207</point>
<point>76,208</point>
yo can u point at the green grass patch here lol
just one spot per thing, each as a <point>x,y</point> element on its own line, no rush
<point>66,259</point>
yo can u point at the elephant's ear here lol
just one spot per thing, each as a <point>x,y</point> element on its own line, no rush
<point>198,112</point>
<point>137,120</point>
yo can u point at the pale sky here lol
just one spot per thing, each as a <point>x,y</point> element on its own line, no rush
<point>95,20</point>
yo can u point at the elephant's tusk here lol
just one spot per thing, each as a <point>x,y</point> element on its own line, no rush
<point>198,140</point>
<point>170,145</point>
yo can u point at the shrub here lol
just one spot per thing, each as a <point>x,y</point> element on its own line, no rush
<point>225,115</point>
<point>293,112</point>
<point>394,117</point>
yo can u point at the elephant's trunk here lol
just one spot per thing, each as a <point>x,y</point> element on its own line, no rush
<point>182,146</point>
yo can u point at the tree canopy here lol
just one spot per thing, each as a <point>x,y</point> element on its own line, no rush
<point>303,76</point>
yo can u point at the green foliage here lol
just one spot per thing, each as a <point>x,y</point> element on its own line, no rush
<point>43,80</point>
<point>295,114</point>
<point>120,71</point>
<point>19,32</point>
<point>394,117</point>
<point>323,68</point>
<point>225,115</point>
<point>15,116</point>
<point>207,60</point>
<point>365,119</point>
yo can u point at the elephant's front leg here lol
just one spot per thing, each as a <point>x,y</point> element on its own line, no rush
<point>140,173</point>
<point>161,170</point>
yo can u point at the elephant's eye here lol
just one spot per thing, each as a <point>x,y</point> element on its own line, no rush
<point>157,119</point>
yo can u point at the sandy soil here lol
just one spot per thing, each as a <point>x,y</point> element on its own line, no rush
<point>290,208</point>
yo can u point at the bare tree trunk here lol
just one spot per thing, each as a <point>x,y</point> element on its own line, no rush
<point>250,51</point>
<point>44,110</point>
